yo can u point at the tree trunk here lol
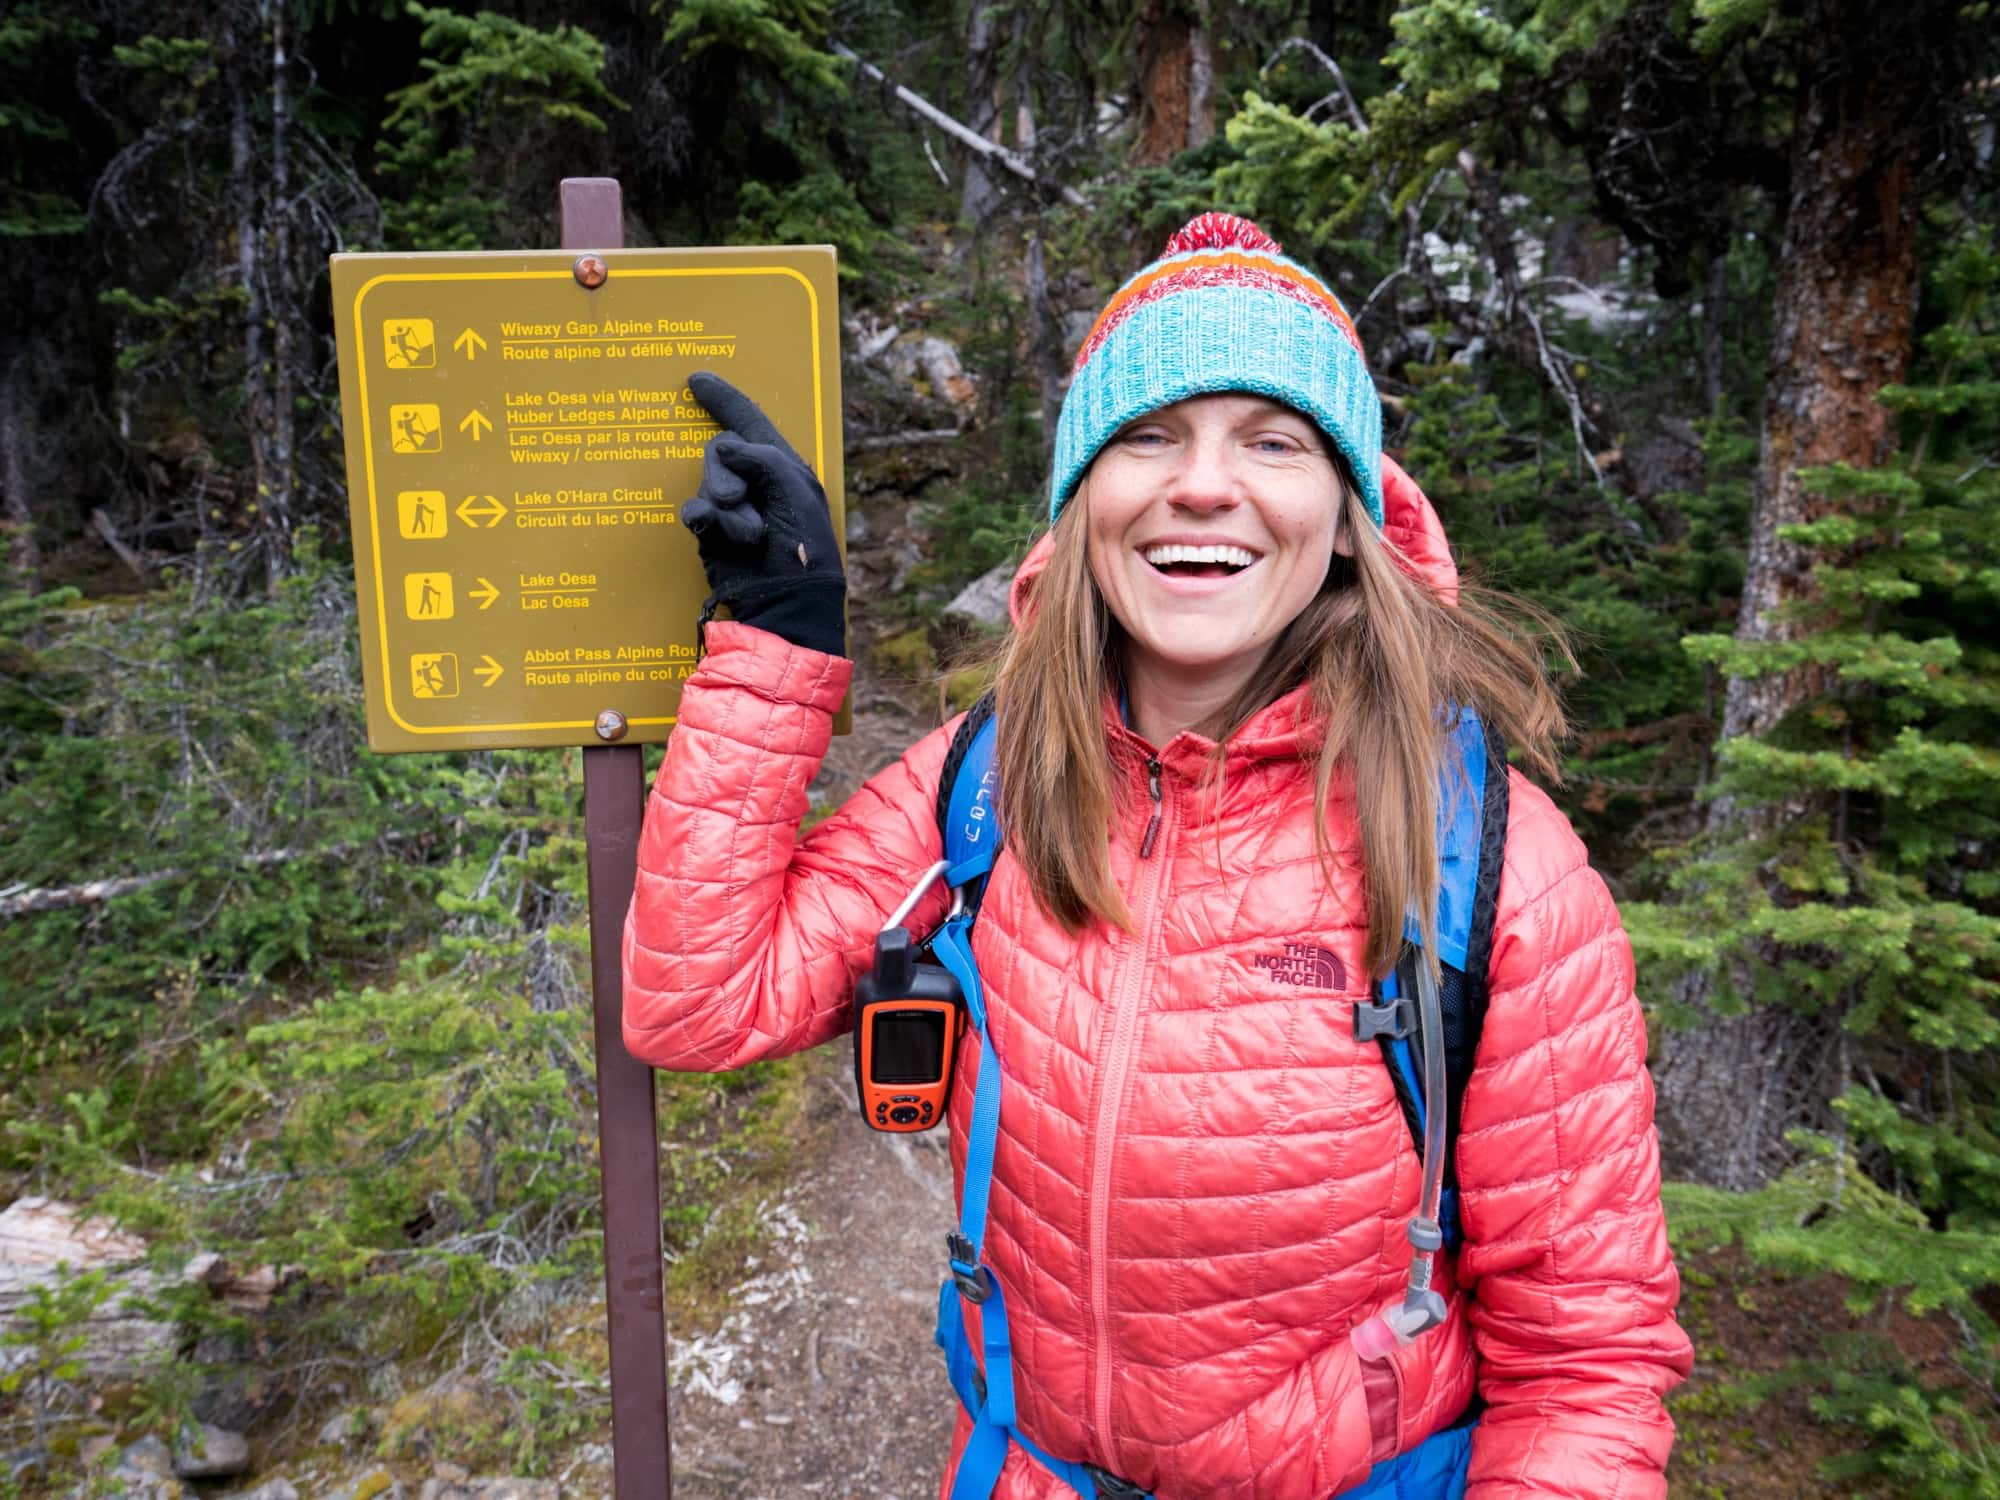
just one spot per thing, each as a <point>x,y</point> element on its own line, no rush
<point>277,505</point>
<point>1201,78</point>
<point>244,187</point>
<point>1714,328</point>
<point>23,555</point>
<point>1843,309</point>
<point>982,113</point>
<point>1166,55</point>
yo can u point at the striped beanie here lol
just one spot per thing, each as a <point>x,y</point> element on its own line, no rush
<point>1222,309</point>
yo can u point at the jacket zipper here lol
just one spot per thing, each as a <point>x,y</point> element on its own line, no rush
<point>1117,1061</point>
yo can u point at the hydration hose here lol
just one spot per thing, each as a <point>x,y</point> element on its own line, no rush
<point>1422,1306</point>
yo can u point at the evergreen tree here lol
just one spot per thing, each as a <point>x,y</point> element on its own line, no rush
<point>1862,903</point>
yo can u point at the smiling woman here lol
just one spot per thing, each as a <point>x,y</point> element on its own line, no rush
<point>1243,709</point>
<point>1212,524</point>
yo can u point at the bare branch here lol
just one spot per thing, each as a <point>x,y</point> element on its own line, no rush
<point>21,901</point>
<point>965,135</point>
<point>1303,44</point>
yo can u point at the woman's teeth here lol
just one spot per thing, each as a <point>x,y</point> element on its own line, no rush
<point>1180,554</point>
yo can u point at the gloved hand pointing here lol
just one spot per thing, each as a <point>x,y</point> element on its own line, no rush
<point>761,521</point>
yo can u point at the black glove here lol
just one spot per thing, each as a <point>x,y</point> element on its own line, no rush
<point>761,521</point>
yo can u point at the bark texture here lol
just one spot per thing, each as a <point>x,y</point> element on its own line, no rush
<point>1169,111</point>
<point>1843,311</point>
<point>982,113</point>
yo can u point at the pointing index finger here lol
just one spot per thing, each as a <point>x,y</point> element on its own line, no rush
<point>735,411</point>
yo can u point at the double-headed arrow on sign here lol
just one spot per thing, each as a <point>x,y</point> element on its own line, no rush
<point>481,510</point>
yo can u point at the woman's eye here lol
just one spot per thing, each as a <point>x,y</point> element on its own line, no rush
<point>1144,439</point>
<point>1274,444</point>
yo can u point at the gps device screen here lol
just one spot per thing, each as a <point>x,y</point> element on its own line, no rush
<point>908,1047</point>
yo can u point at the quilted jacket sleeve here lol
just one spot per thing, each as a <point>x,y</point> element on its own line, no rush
<point>744,939</point>
<point>1566,1245</point>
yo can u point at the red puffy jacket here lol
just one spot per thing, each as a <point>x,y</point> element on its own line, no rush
<point>1201,1180</point>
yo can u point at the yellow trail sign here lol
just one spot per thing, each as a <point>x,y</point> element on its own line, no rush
<point>515,492</point>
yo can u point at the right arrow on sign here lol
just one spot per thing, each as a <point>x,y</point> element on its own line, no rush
<point>489,672</point>
<point>480,510</point>
<point>469,344</point>
<point>486,593</point>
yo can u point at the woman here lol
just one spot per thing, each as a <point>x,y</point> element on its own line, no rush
<point>1222,714</point>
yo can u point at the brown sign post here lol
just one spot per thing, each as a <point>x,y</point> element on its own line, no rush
<point>519,438</point>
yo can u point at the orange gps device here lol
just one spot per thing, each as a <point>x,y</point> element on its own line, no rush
<point>908,1017</point>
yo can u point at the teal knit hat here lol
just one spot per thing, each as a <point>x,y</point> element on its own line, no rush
<point>1221,310</point>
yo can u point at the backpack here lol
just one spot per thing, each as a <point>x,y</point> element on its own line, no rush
<point>1472,838</point>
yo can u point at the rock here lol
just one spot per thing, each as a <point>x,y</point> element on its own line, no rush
<point>934,360</point>
<point>209,1452</point>
<point>233,1393</point>
<point>978,613</point>
<point>90,1449</point>
<point>857,527</point>
<point>277,1488</point>
<point>148,1456</point>
<point>371,1484</point>
<point>340,1429</point>
<point>144,1471</point>
<point>498,1488</point>
<point>40,1236</point>
<point>983,602</point>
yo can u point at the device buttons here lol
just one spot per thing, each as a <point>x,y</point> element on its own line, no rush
<point>902,1114</point>
<point>903,1098</point>
<point>927,1112</point>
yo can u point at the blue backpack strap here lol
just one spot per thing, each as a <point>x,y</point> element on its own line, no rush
<point>1472,841</point>
<point>968,819</point>
<point>967,802</point>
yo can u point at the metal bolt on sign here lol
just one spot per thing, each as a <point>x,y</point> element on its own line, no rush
<point>611,725</point>
<point>590,270</point>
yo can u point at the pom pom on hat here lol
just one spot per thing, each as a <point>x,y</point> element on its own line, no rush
<point>1222,309</point>
<point>1218,231</point>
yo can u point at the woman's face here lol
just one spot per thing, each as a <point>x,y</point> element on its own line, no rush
<point>1212,522</point>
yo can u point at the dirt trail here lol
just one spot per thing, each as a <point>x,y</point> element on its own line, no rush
<point>823,1380</point>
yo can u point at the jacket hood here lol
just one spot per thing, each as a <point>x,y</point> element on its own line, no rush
<point>1409,523</point>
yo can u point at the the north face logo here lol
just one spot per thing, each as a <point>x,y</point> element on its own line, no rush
<point>1305,964</point>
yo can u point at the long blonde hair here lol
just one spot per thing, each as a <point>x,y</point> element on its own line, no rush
<point>1381,654</point>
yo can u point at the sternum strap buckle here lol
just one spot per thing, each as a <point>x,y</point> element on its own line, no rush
<point>1394,1019</point>
<point>973,1282</point>
<point>1111,1487</point>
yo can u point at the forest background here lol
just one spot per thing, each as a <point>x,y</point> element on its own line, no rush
<point>1686,314</point>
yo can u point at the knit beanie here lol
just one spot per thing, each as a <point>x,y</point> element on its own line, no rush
<point>1222,309</point>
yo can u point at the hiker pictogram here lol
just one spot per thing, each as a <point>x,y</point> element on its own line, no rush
<point>434,674</point>
<point>427,596</point>
<point>420,514</point>
<point>415,429</point>
<point>409,344</point>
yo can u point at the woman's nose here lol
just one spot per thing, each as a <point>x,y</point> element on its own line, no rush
<point>1206,479</point>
